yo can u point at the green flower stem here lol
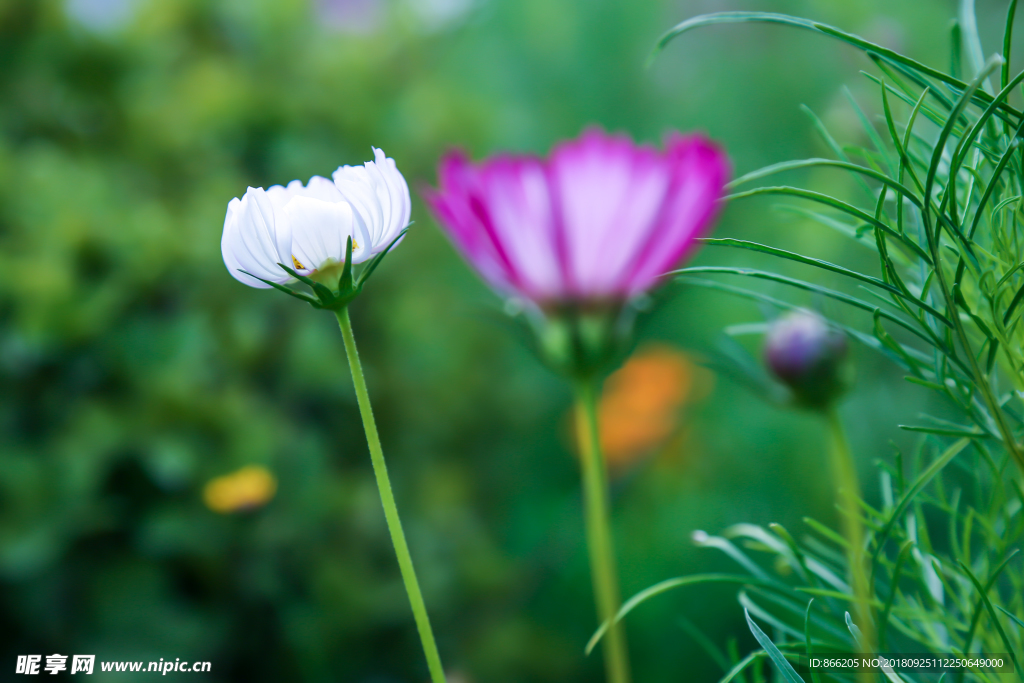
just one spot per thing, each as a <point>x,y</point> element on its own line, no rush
<point>387,498</point>
<point>599,535</point>
<point>845,473</point>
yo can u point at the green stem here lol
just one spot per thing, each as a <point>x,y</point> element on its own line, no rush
<point>387,498</point>
<point>599,535</point>
<point>845,473</point>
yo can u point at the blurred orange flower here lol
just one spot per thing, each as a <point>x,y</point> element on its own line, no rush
<point>249,488</point>
<point>641,402</point>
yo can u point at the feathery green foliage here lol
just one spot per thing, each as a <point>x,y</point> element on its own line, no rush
<point>945,177</point>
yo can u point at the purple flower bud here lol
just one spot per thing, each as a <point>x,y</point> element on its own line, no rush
<point>805,354</point>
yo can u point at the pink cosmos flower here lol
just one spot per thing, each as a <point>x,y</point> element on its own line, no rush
<point>601,218</point>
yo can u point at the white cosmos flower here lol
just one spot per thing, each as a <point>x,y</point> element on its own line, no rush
<point>307,226</point>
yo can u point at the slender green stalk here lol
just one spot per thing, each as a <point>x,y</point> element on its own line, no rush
<point>599,536</point>
<point>387,498</point>
<point>845,473</point>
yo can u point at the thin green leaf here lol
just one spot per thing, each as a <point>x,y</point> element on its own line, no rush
<point>858,637</point>
<point>905,93</point>
<point>825,265</point>
<point>849,38</point>
<point>815,676</point>
<point>940,147</point>
<point>968,139</point>
<point>791,543</point>
<point>995,617</point>
<point>894,587</point>
<point>969,27</point>
<point>705,643</point>
<point>1012,616</point>
<point>742,665</point>
<point>800,284</point>
<point>994,181</point>
<point>867,340</point>
<point>779,659</point>
<point>778,626</point>
<point>956,51</point>
<point>836,204</point>
<point>825,531</point>
<point>968,432</point>
<point>919,483</point>
<point>795,164</point>
<point>1008,42</point>
<point>671,584</point>
<point>976,616</point>
<point>865,123</point>
<point>832,144</point>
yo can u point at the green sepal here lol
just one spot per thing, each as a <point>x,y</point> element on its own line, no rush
<point>345,281</point>
<point>321,290</point>
<point>326,298</point>
<point>584,341</point>
<point>287,290</point>
<point>375,261</point>
<point>348,288</point>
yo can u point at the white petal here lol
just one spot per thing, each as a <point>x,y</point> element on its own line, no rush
<point>320,230</point>
<point>322,188</point>
<point>382,194</point>
<point>353,183</point>
<point>379,196</point>
<point>401,203</point>
<point>250,241</point>
<point>280,195</point>
<point>273,217</point>
<point>230,243</point>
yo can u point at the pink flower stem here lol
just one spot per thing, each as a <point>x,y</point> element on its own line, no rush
<point>599,536</point>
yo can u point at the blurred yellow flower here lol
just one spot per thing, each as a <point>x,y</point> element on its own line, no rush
<point>640,405</point>
<point>251,487</point>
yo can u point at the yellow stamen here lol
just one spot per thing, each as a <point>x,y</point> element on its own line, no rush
<point>295,262</point>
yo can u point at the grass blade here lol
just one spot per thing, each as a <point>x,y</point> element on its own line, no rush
<point>995,617</point>
<point>671,584</point>
<point>815,676</point>
<point>779,659</point>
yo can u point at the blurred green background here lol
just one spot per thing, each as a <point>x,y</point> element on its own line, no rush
<point>134,369</point>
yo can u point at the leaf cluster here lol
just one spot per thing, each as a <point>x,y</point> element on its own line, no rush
<point>942,179</point>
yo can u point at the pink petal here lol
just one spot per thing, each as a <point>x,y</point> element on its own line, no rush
<point>452,204</point>
<point>516,211</point>
<point>610,192</point>
<point>700,171</point>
